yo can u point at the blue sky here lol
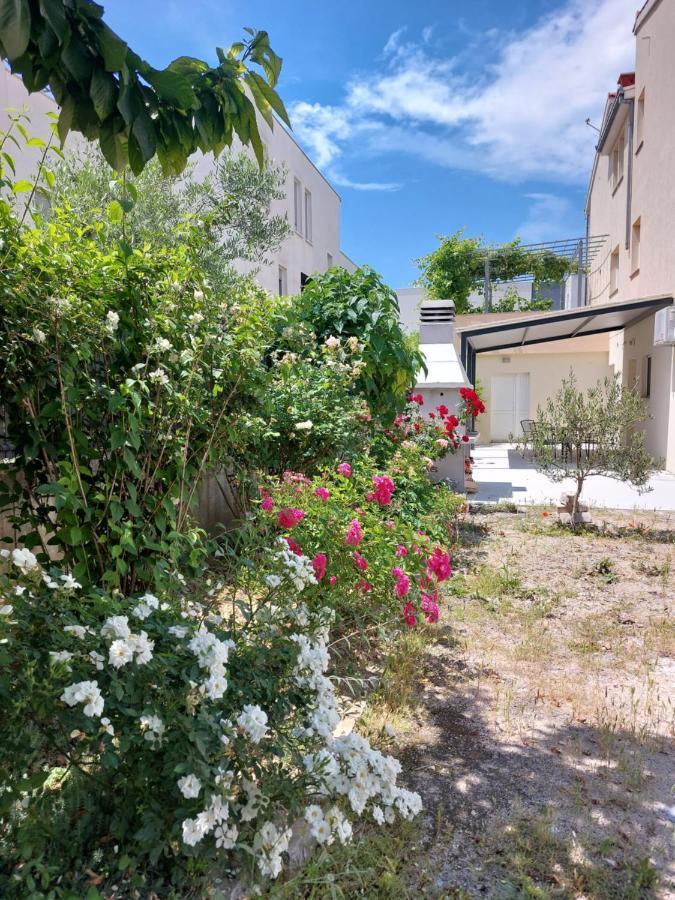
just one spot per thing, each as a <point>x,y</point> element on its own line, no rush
<point>428,116</point>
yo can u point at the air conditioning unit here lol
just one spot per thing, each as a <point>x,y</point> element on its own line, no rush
<point>664,327</point>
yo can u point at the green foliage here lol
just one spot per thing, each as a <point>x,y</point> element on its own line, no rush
<point>359,305</point>
<point>135,111</point>
<point>419,517</point>
<point>123,376</point>
<point>594,432</point>
<point>313,413</point>
<point>230,208</point>
<point>457,268</point>
<point>512,302</point>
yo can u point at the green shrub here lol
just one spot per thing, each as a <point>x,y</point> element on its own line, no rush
<point>124,378</point>
<point>360,307</point>
<point>144,738</point>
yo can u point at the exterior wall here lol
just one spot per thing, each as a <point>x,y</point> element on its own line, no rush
<point>299,254</point>
<point>546,369</point>
<point>653,202</point>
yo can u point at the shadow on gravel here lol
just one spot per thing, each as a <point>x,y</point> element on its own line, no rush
<point>562,815</point>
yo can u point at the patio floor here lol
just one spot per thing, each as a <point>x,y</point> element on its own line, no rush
<point>502,474</point>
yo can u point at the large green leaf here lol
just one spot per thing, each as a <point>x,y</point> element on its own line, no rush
<point>174,88</point>
<point>14,26</point>
<point>113,49</point>
<point>103,93</point>
<point>54,13</point>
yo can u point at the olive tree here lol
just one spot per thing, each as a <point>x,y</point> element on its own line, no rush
<point>578,433</point>
<point>231,207</point>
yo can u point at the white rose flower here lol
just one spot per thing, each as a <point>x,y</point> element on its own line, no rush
<point>112,320</point>
<point>254,722</point>
<point>189,786</point>
<point>121,653</point>
<point>69,582</point>
<point>24,560</point>
<point>304,426</point>
<point>6,610</point>
<point>39,335</point>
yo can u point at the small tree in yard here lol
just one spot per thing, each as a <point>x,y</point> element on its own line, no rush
<point>595,432</point>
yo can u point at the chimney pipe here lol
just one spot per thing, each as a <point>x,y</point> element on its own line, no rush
<point>437,322</point>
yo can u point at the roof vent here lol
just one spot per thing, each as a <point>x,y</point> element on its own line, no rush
<point>436,322</point>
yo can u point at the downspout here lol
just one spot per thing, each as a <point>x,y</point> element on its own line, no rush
<point>629,173</point>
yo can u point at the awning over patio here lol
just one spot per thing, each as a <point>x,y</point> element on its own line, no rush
<point>542,327</point>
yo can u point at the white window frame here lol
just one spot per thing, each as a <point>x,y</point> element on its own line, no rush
<point>283,281</point>
<point>635,241</point>
<point>640,121</point>
<point>614,271</point>
<point>297,205</point>
<point>616,161</point>
<point>308,215</point>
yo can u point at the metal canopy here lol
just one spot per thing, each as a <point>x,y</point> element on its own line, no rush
<point>560,325</point>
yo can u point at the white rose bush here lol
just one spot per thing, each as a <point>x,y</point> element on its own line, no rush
<point>196,738</point>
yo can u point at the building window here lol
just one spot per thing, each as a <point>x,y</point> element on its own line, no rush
<point>614,271</point>
<point>283,281</point>
<point>647,377</point>
<point>308,216</point>
<point>616,162</point>
<point>640,121</point>
<point>329,260</point>
<point>297,204</point>
<point>635,248</point>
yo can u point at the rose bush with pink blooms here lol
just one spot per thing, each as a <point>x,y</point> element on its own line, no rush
<point>384,536</point>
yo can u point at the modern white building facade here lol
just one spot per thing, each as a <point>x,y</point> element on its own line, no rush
<point>631,198</point>
<point>312,205</point>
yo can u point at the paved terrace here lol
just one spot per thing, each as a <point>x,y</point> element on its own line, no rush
<point>502,474</point>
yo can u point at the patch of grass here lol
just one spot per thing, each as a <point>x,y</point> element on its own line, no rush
<point>542,863</point>
<point>494,584</point>
<point>595,633</point>
<point>605,569</point>
<point>376,864</point>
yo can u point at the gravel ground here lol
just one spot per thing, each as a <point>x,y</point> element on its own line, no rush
<point>543,740</point>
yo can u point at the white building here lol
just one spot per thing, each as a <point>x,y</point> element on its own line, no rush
<point>312,204</point>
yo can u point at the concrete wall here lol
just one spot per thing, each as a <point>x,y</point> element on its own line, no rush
<point>653,202</point>
<point>546,368</point>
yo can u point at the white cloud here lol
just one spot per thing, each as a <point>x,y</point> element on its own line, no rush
<point>520,116</point>
<point>549,217</point>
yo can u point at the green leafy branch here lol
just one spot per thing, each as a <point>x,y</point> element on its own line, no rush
<point>135,111</point>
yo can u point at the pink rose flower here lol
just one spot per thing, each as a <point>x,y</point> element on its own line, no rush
<point>439,564</point>
<point>389,523</point>
<point>289,518</point>
<point>294,546</point>
<point>384,488</point>
<point>322,493</point>
<point>429,608</point>
<point>345,469</point>
<point>359,561</point>
<point>354,535</point>
<point>402,585</point>
<point>267,503</point>
<point>408,613</point>
<point>400,551</point>
<point>319,565</point>
<point>332,580</point>
<point>364,585</point>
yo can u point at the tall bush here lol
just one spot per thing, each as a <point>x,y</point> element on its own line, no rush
<point>359,306</point>
<point>123,376</point>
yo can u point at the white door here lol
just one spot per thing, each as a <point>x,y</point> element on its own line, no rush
<point>510,403</point>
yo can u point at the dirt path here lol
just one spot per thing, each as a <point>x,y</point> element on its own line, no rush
<point>543,742</point>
